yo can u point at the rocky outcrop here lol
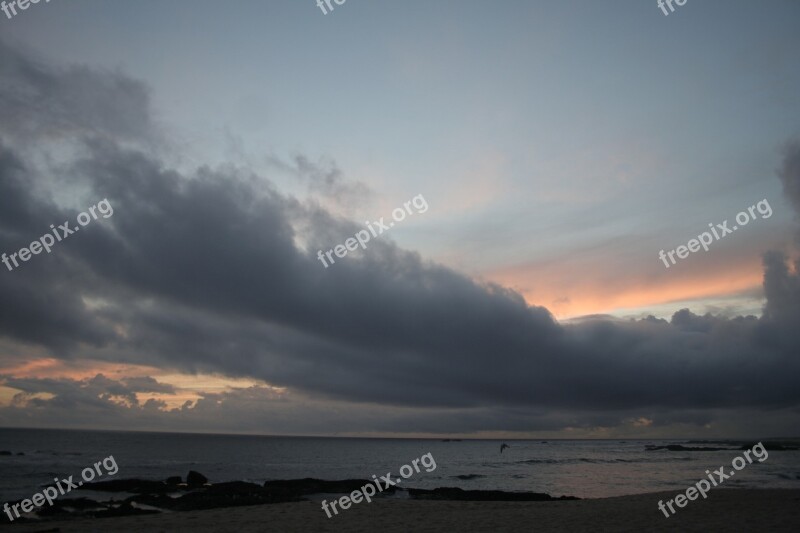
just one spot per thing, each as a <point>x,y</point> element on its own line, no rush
<point>231,494</point>
<point>196,479</point>
<point>681,448</point>
<point>135,486</point>
<point>309,485</point>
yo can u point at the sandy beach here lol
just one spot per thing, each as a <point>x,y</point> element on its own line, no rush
<point>724,510</point>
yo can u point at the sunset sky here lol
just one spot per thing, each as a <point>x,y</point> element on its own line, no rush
<point>559,145</point>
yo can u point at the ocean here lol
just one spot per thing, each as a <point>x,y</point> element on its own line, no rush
<point>582,468</point>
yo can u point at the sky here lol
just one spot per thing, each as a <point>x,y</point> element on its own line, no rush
<point>557,147</point>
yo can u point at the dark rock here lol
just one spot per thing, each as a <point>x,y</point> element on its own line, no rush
<point>20,453</point>
<point>52,512</point>
<point>135,486</point>
<point>236,493</point>
<point>78,503</point>
<point>235,487</point>
<point>65,506</point>
<point>196,479</point>
<point>173,481</point>
<point>232,494</point>
<point>308,485</point>
<point>160,501</point>
<point>456,494</point>
<point>125,509</point>
<point>4,452</point>
<point>681,448</point>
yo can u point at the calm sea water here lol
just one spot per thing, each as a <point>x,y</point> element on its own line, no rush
<point>587,469</point>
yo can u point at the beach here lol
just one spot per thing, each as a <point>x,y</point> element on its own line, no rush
<point>413,266</point>
<point>724,510</point>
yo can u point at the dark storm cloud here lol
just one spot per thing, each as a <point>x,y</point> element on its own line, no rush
<point>111,404</point>
<point>102,402</point>
<point>216,271</point>
<point>790,173</point>
<point>38,304</point>
<point>782,284</point>
<point>147,384</point>
<point>41,101</point>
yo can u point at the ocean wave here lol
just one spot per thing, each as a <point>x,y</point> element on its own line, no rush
<point>467,477</point>
<point>783,475</point>
<point>56,453</point>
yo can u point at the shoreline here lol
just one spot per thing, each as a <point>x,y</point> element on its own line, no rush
<point>725,509</point>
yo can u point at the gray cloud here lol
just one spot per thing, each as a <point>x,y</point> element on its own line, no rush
<point>216,271</point>
<point>99,402</point>
<point>41,101</point>
<point>323,178</point>
<point>790,173</point>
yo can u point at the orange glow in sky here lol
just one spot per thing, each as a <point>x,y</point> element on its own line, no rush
<point>567,293</point>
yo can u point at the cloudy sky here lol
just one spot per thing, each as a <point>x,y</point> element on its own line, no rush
<point>559,146</point>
